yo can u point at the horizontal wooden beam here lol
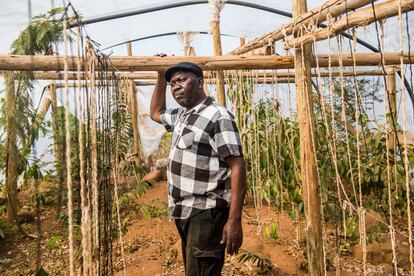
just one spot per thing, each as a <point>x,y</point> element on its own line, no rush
<point>362,17</point>
<point>55,63</point>
<point>135,63</point>
<point>260,74</point>
<point>314,16</point>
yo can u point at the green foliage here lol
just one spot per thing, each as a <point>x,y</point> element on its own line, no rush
<point>53,241</point>
<point>36,39</point>
<point>141,188</point>
<point>154,211</point>
<point>272,153</point>
<point>74,141</point>
<point>271,232</point>
<point>255,258</point>
<point>351,228</point>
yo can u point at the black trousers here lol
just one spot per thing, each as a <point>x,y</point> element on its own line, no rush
<point>203,255</point>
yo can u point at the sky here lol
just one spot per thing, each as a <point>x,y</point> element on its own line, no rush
<point>235,20</point>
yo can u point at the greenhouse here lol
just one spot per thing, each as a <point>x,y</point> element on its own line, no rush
<point>215,137</point>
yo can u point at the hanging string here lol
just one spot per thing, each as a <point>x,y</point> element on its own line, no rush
<point>406,162</point>
<point>93,158</point>
<point>389,131</point>
<point>86,254</point>
<point>361,213</point>
<point>68,152</point>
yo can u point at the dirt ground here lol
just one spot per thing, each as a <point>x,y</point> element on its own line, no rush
<point>152,246</point>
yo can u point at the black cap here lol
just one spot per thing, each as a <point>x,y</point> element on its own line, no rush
<point>184,66</point>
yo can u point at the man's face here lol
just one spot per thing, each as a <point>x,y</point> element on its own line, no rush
<point>185,87</point>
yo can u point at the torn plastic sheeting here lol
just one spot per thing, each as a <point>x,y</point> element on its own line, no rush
<point>150,132</point>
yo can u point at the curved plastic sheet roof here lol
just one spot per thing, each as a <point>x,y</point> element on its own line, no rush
<point>236,20</point>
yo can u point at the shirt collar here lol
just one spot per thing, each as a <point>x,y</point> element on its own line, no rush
<point>198,108</point>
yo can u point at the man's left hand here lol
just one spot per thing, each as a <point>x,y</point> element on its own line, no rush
<point>232,236</point>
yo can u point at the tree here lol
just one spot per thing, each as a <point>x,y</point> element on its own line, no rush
<point>18,118</point>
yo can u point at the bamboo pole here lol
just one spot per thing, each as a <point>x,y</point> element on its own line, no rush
<point>358,18</point>
<point>134,63</point>
<point>314,16</point>
<point>309,176</point>
<point>141,76</point>
<point>215,29</point>
<point>133,105</point>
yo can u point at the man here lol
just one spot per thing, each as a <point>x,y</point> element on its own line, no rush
<point>206,171</point>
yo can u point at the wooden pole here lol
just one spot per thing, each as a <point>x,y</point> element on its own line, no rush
<point>57,146</point>
<point>140,76</point>
<point>215,29</point>
<point>133,106</point>
<point>309,176</point>
<point>358,18</point>
<point>314,16</point>
<point>11,150</point>
<point>267,80</point>
<point>392,113</point>
<point>242,41</point>
<point>134,63</point>
<point>44,107</point>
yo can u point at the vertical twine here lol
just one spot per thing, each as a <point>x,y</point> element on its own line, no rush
<point>94,161</point>
<point>85,252</point>
<point>68,151</point>
<point>406,162</point>
<point>389,172</point>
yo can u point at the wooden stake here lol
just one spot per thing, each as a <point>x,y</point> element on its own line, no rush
<point>11,153</point>
<point>215,29</point>
<point>242,41</point>
<point>392,116</point>
<point>133,106</point>
<point>134,63</point>
<point>309,176</point>
<point>57,147</point>
<point>358,18</point>
<point>314,16</point>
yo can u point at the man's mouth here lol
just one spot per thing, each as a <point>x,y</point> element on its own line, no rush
<point>179,95</point>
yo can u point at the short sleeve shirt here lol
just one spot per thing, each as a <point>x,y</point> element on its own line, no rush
<point>198,176</point>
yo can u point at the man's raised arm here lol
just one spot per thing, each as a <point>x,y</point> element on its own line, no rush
<point>158,97</point>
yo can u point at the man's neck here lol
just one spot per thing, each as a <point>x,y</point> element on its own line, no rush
<point>200,99</point>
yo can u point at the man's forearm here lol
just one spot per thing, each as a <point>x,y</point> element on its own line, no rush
<point>158,97</point>
<point>238,188</point>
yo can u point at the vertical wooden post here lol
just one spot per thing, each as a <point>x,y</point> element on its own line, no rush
<point>133,105</point>
<point>392,109</point>
<point>215,29</point>
<point>57,147</point>
<point>242,41</point>
<point>310,191</point>
<point>11,147</point>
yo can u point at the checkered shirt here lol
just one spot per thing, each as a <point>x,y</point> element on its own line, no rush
<point>198,176</point>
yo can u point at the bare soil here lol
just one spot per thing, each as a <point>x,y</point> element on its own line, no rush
<point>152,245</point>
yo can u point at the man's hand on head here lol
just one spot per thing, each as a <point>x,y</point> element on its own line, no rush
<point>161,71</point>
<point>160,55</point>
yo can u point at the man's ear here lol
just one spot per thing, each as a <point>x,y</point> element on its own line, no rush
<point>200,82</point>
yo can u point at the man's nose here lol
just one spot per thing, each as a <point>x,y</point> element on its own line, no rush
<point>175,87</point>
